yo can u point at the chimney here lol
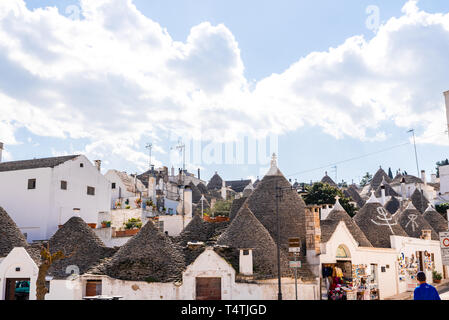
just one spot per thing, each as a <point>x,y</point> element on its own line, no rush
<point>446,98</point>
<point>188,202</point>
<point>423,177</point>
<point>223,190</point>
<point>403,195</point>
<point>172,171</point>
<point>199,173</point>
<point>76,212</point>
<point>313,229</point>
<point>426,234</point>
<point>98,164</point>
<point>1,151</point>
<point>433,178</point>
<point>246,262</point>
<point>382,191</point>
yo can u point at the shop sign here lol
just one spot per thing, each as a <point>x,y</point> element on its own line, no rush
<point>444,244</point>
<point>295,264</point>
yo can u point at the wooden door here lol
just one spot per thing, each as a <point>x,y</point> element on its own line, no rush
<point>93,288</point>
<point>208,288</point>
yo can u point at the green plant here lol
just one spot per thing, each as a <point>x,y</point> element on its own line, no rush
<point>106,223</point>
<point>436,275</point>
<point>442,208</point>
<point>133,223</point>
<point>128,207</point>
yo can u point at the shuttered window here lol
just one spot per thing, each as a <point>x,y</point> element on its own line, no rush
<point>91,191</point>
<point>31,184</point>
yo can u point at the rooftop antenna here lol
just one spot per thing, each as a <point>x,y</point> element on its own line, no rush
<point>181,147</point>
<point>149,146</point>
<point>417,167</point>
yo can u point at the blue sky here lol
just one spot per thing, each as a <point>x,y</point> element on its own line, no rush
<point>260,47</point>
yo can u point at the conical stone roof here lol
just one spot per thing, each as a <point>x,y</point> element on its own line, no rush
<point>202,188</point>
<point>436,220</point>
<point>378,177</point>
<point>196,193</point>
<point>393,205</point>
<point>235,207</point>
<point>246,232</point>
<point>377,224</point>
<point>419,200</point>
<point>352,193</point>
<point>149,256</point>
<point>413,222</point>
<point>216,182</point>
<point>10,235</point>
<point>78,241</point>
<point>328,180</point>
<point>196,230</point>
<point>338,213</point>
<point>262,203</point>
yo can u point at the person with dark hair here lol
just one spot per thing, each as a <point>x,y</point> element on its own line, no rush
<point>425,291</point>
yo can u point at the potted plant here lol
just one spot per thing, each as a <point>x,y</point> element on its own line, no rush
<point>132,226</point>
<point>105,224</point>
<point>138,202</point>
<point>128,207</point>
<point>118,204</point>
<point>436,277</point>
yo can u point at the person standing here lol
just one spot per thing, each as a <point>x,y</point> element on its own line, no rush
<point>425,291</point>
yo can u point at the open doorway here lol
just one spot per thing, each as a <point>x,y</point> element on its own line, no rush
<point>17,289</point>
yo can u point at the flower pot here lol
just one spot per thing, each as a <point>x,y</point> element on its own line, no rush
<point>436,281</point>
<point>104,225</point>
<point>92,225</point>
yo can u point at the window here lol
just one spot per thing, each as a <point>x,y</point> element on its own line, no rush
<point>47,285</point>
<point>91,191</point>
<point>63,185</point>
<point>81,165</point>
<point>31,184</point>
<point>113,185</point>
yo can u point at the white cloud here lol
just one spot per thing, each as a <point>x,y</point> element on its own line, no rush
<point>116,76</point>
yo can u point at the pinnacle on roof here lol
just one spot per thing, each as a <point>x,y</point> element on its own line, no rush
<point>338,205</point>
<point>373,198</point>
<point>274,170</point>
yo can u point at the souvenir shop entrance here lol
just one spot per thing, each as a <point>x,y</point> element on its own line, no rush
<point>343,280</point>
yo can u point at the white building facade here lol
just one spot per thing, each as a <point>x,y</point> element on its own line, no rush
<point>41,194</point>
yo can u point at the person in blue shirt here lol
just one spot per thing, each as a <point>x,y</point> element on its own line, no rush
<point>425,291</point>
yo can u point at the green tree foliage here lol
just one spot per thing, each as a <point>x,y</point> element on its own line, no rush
<point>322,193</point>
<point>222,208</point>
<point>366,179</point>
<point>442,208</point>
<point>439,164</point>
<point>390,174</point>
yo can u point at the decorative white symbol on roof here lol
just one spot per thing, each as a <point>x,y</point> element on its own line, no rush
<point>412,219</point>
<point>384,219</point>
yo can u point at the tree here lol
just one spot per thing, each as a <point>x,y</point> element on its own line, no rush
<point>439,164</point>
<point>222,208</point>
<point>442,209</point>
<point>47,260</point>
<point>322,193</point>
<point>366,179</point>
<point>390,174</point>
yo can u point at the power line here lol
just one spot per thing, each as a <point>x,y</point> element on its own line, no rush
<point>348,160</point>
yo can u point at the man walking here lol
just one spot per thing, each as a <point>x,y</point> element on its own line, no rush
<point>425,291</point>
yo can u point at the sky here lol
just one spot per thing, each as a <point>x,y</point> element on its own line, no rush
<point>327,86</point>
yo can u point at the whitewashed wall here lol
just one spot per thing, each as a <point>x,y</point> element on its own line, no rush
<point>18,258</point>
<point>174,224</point>
<point>38,212</point>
